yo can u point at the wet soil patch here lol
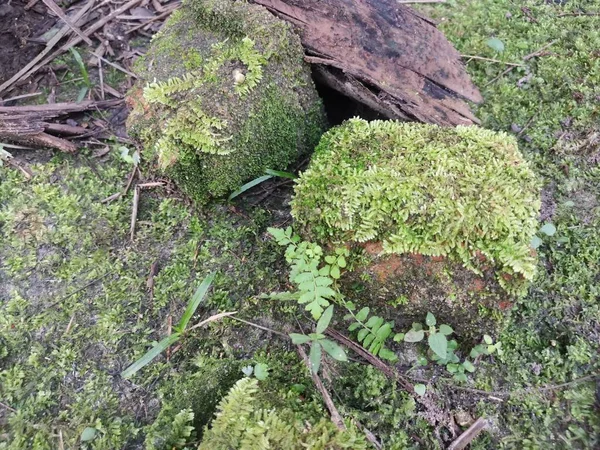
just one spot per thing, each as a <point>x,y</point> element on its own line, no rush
<point>20,33</point>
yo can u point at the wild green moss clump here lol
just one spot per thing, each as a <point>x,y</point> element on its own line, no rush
<point>464,193</point>
<point>224,94</point>
<point>246,420</point>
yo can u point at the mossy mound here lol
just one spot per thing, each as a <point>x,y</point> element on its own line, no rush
<point>249,417</point>
<point>224,94</point>
<point>462,200</point>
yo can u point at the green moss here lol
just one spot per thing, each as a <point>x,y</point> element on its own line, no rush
<point>247,419</point>
<point>465,193</point>
<point>240,101</point>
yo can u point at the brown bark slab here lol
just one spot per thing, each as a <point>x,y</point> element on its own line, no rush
<point>385,55</point>
<point>28,125</point>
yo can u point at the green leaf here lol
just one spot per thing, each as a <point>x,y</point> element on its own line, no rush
<point>536,242</point>
<point>387,354</point>
<point>398,337</point>
<point>373,320</point>
<point>315,336</point>
<point>548,229</point>
<point>330,259</point>
<point>420,389</point>
<point>261,371</point>
<point>363,314</point>
<point>324,291</point>
<point>474,353</point>
<point>333,350</point>
<point>88,434</point>
<point>315,357</point>
<point>488,339</point>
<point>439,344</point>
<point>82,68</point>
<point>354,326</point>
<point>495,44</point>
<point>281,173</point>
<point>299,338</point>
<point>335,272</point>
<point>446,330</point>
<point>362,334</point>
<point>417,326</point>
<point>468,366</point>
<point>150,355</point>
<point>195,302</point>
<point>460,377</point>
<point>249,185</point>
<point>384,332</point>
<point>341,261</point>
<point>368,340</point>
<point>323,322</point>
<point>377,323</point>
<point>81,96</point>
<point>248,370</point>
<point>430,320</point>
<point>279,235</point>
<point>414,336</point>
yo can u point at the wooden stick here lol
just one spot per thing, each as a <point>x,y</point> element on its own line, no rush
<point>59,12</point>
<point>34,64</point>
<point>154,19</point>
<point>134,211</point>
<point>59,108</point>
<point>525,58</point>
<point>490,59</point>
<point>467,437</point>
<point>336,418</point>
<point>115,65</point>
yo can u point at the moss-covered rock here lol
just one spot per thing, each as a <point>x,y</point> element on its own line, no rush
<point>443,217</point>
<point>224,94</point>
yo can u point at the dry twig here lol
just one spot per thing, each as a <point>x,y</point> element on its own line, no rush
<point>59,12</point>
<point>471,433</point>
<point>336,418</point>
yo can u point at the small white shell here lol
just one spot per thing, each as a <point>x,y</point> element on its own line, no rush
<point>238,76</point>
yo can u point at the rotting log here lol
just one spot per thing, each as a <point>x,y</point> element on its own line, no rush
<point>30,126</point>
<point>385,55</point>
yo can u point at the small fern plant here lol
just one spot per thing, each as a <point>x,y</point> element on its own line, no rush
<point>311,272</point>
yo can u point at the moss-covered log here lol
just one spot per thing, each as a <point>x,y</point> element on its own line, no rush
<point>224,94</point>
<point>443,217</point>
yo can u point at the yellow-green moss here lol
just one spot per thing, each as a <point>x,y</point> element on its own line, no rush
<point>248,420</point>
<point>465,193</point>
<point>224,94</point>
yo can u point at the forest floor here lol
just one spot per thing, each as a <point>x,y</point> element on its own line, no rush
<point>81,298</point>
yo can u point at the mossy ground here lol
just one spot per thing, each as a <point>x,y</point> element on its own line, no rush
<point>62,347</point>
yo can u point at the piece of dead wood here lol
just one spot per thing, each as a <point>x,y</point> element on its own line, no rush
<point>385,53</point>
<point>134,211</point>
<point>471,433</point>
<point>29,124</point>
<point>336,418</point>
<point>62,16</point>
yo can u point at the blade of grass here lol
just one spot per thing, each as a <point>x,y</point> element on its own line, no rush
<point>281,173</point>
<point>195,302</point>
<point>150,355</point>
<point>81,64</point>
<point>249,185</point>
